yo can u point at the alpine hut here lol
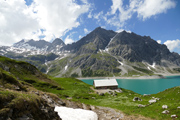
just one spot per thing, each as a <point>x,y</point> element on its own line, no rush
<point>105,84</point>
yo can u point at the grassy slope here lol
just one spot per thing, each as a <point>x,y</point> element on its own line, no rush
<point>79,91</point>
<point>71,88</point>
<point>25,72</point>
<point>17,101</point>
<point>17,95</point>
<point>123,101</point>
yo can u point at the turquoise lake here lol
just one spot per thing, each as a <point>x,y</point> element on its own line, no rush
<point>145,86</point>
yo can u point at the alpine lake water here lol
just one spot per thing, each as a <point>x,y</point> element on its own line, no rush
<point>145,86</point>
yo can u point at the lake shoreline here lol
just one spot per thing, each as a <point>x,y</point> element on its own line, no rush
<point>135,77</point>
<point>144,86</point>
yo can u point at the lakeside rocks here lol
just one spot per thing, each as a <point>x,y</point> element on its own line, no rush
<point>165,112</point>
<point>153,100</point>
<point>137,99</point>
<point>164,106</point>
<point>146,95</point>
<point>102,92</point>
<point>173,116</point>
<point>141,106</point>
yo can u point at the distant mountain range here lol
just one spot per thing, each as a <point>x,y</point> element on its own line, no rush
<point>100,53</point>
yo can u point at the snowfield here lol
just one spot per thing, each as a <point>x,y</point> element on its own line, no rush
<point>66,113</point>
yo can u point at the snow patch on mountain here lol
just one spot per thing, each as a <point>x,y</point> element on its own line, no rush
<point>121,30</point>
<point>120,62</point>
<point>66,67</point>
<point>106,48</point>
<point>48,69</point>
<point>66,113</point>
<point>151,66</point>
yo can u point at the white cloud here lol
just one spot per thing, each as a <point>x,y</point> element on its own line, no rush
<point>98,16</point>
<point>85,1</point>
<point>103,27</point>
<point>120,30</point>
<point>143,8</point>
<point>17,21</point>
<point>86,31</point>
<point>58,16</point>
<point>173,44</point>
<point>80,36</point>
<point>90,14</point>
<point>68,40</point>
<point>55,17</point>
<point>114,21</point>
<point>124,14</point>
<point>159,41</point>
<point>150,8</point>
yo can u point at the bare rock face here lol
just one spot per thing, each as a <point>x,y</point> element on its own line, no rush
<point>27,110</point>
<point>97,39</point>
<point>101,50</point>
<point>138,48</point>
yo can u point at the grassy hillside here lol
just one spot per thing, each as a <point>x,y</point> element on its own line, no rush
<point>20,85</point>
<point>81,92</point>
<point>26,72</point>
<point>20,100</point>
<point>19,94</point>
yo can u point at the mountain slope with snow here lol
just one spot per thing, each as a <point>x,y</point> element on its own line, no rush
<point>100,53</point>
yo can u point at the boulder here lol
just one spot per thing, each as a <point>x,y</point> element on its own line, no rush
<point>137,99</point>
<point>165,112</point>
<point>110,92</point>
<point>173,116</point>
<point>164,106</point>
<point>17,88</point>
<point>37,92</point>
<point>152,101</point>
<point>101,94</point>
<point>146,95</point>
<point>140,105</point>
<point>118,91</point>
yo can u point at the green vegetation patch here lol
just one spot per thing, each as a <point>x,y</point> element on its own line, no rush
<point>177,69</point>
<point>149,72</point>
<point>18,104</point>
<point>83,93</point>
<point>71,87</point>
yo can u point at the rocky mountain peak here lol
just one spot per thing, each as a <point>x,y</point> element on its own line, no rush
<point>28,44</point>
<point>95,40</point>
<point>58,41</point>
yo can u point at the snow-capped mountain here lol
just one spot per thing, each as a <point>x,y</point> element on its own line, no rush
<point>100,53</point>
<point>32,47</point>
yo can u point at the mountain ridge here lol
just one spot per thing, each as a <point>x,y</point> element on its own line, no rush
<point>105,53</point>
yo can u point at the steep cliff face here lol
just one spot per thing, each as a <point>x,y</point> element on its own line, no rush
<point>137,48</point>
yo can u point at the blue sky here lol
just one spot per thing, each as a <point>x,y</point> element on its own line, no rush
<point>70,20</point>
